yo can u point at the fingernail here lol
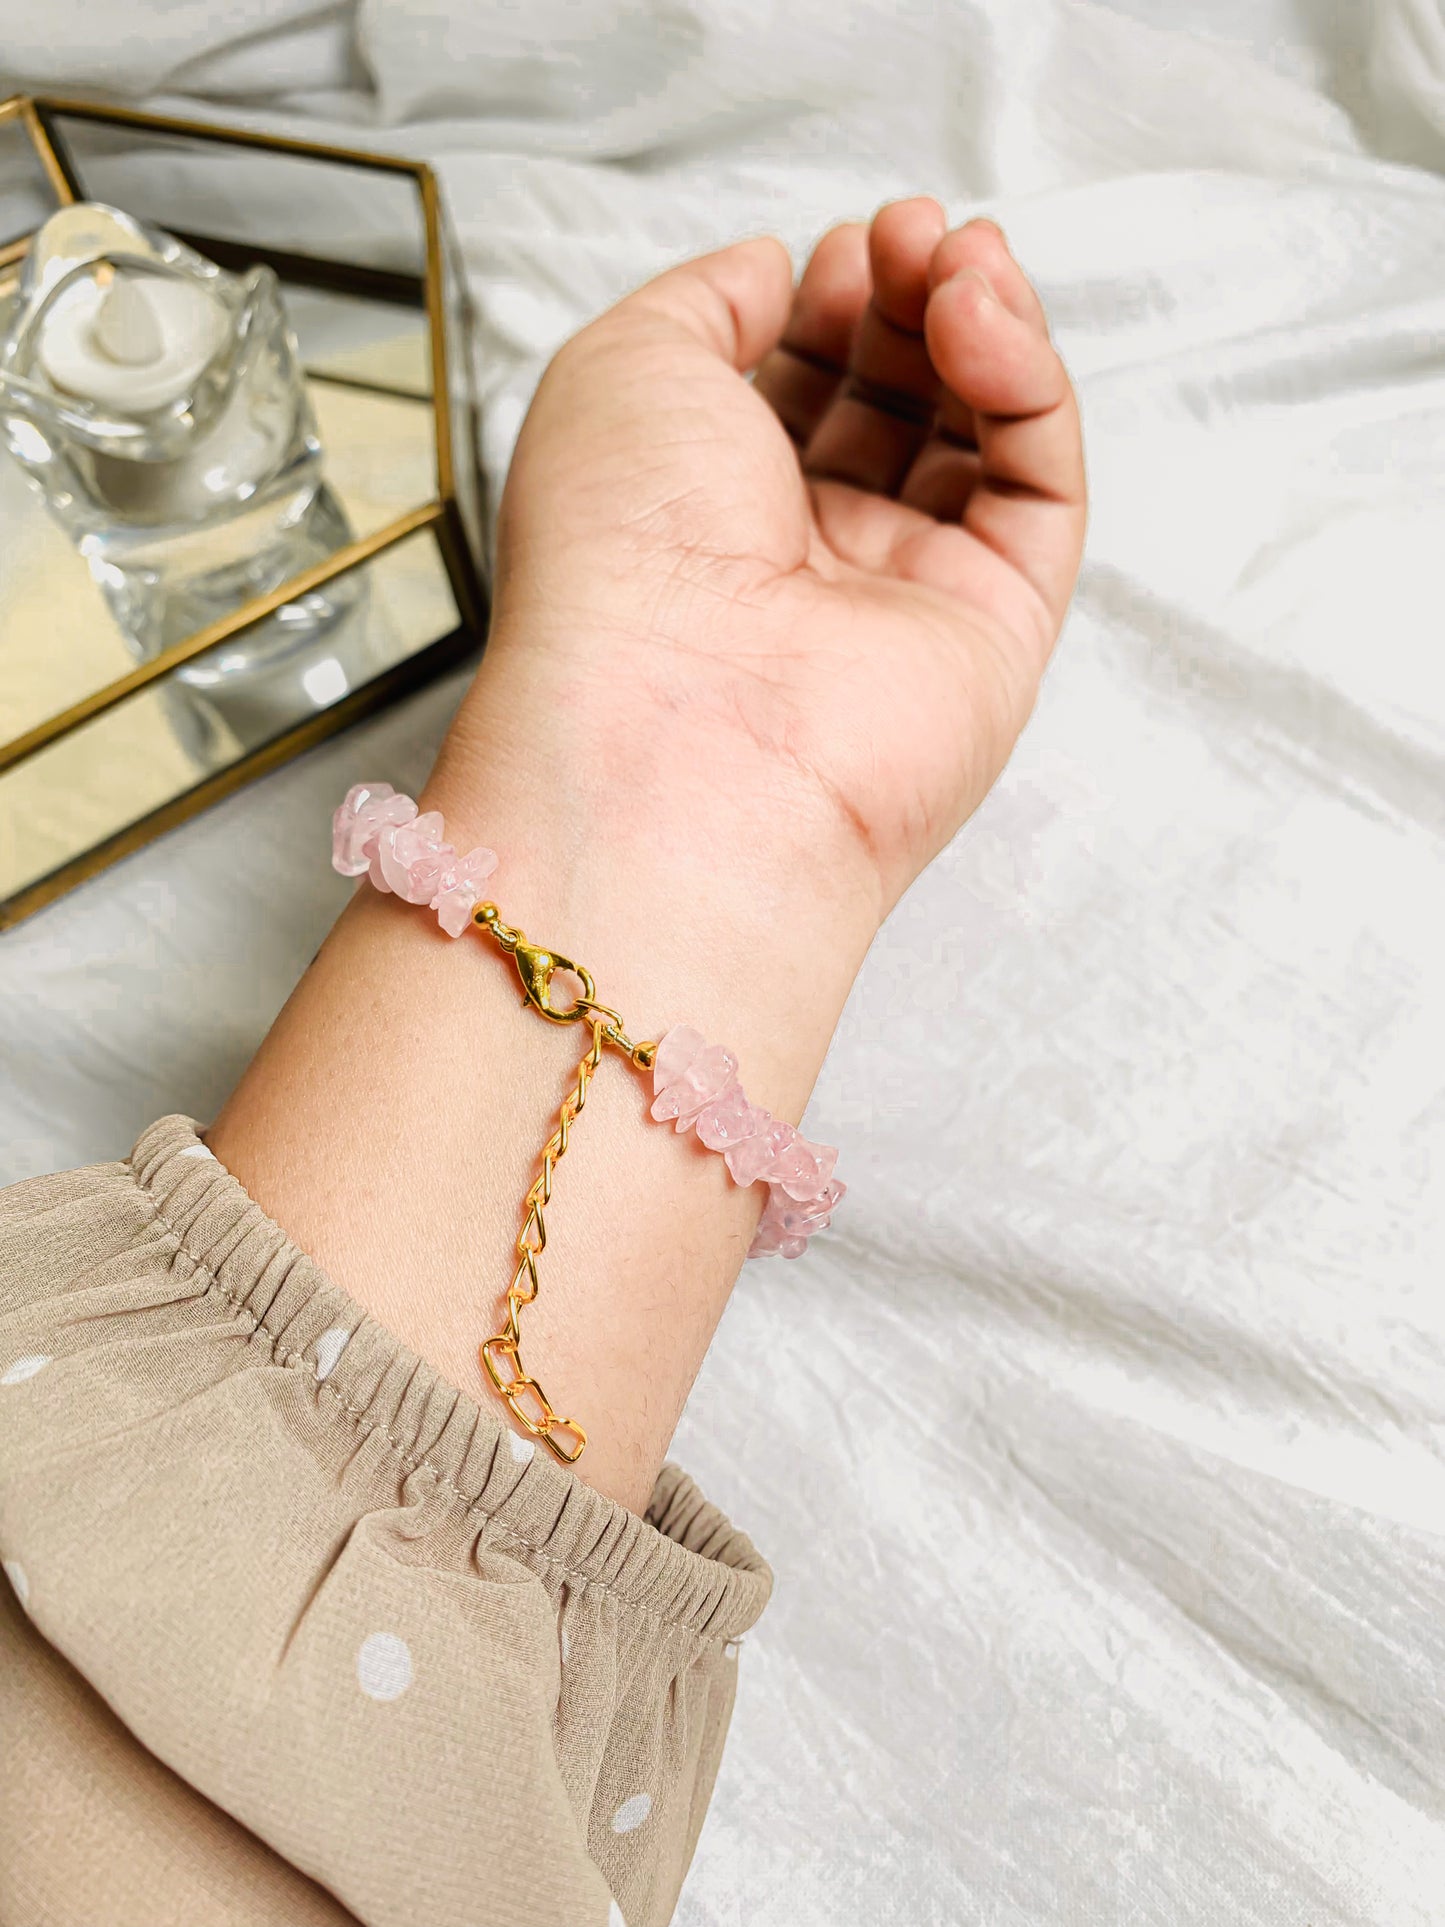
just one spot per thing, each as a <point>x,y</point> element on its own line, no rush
<point>984,286</point>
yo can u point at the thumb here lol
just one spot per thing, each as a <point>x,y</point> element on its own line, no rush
<point>734,302</point>
<point>644,438</point>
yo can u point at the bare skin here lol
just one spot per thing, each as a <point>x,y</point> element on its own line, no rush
<point>759,649</point>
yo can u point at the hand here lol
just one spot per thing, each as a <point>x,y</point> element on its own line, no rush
<point>758,649</point>
<point>833,588</point>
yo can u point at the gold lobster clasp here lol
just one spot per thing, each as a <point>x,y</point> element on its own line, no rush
<point>536,967</point>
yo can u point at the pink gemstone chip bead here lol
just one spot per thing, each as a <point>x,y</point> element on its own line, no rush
<point>695,1084</point>
<point>728,1120</point>
<point>368,809</point>
<point>708,1074</point>
<point>379,834</point>
<point>409,858</point>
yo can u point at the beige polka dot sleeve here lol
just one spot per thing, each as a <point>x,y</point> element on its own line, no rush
<point>297,1633</point>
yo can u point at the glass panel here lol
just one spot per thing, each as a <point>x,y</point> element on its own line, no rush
<point>202,719</point>
<point>26,196</point>
<point>331,210</point>
<point>9,286</point>
<point>356,341</point>
<point>465,411</point>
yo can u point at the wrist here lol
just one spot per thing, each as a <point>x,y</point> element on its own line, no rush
<point>697,879</point>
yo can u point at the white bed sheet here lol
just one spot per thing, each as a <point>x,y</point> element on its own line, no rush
<point>1122,1603</point>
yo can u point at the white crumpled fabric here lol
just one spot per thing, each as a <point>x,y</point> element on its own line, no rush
<point>1101,1447</point>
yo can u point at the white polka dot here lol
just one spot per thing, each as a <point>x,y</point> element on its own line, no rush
<point>383,1666</point>
<point>632,1813</point>
<point>24,1368</point>
<point>329,1347</point>
<point>522,1449</point>
<point>15,1573</point>
<point>614,1916</point>
<point>197,1151</point>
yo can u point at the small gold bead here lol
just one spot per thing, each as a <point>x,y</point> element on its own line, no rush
<point>644,1056</point>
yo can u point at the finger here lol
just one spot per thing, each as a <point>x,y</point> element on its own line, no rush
<point>948,466</point>
<point>884,410</point>
<point>734,302</point>
<point>981,244</point>
<point>801,375</point>
<point>1013,381</point>
<point>1028,501</point>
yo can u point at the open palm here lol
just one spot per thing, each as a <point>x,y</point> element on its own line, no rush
<point>841,578</point>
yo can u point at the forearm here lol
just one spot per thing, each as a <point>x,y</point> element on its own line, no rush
<point>393,1118</point>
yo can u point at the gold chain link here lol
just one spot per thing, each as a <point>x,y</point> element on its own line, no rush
<point>501,1353</point>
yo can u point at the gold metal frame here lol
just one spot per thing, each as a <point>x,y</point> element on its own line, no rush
<point>442,515</point>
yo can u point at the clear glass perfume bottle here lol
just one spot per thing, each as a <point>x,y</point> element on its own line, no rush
<point>158,403</point>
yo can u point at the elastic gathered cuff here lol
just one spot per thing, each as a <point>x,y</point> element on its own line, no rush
<point>682,1563</point>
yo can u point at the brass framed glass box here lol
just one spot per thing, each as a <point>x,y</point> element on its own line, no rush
<point>104,743</point>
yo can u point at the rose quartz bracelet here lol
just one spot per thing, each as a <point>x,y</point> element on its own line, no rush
<point>382,835</point>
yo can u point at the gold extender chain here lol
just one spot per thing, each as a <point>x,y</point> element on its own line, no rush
<point>501,1358</point>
